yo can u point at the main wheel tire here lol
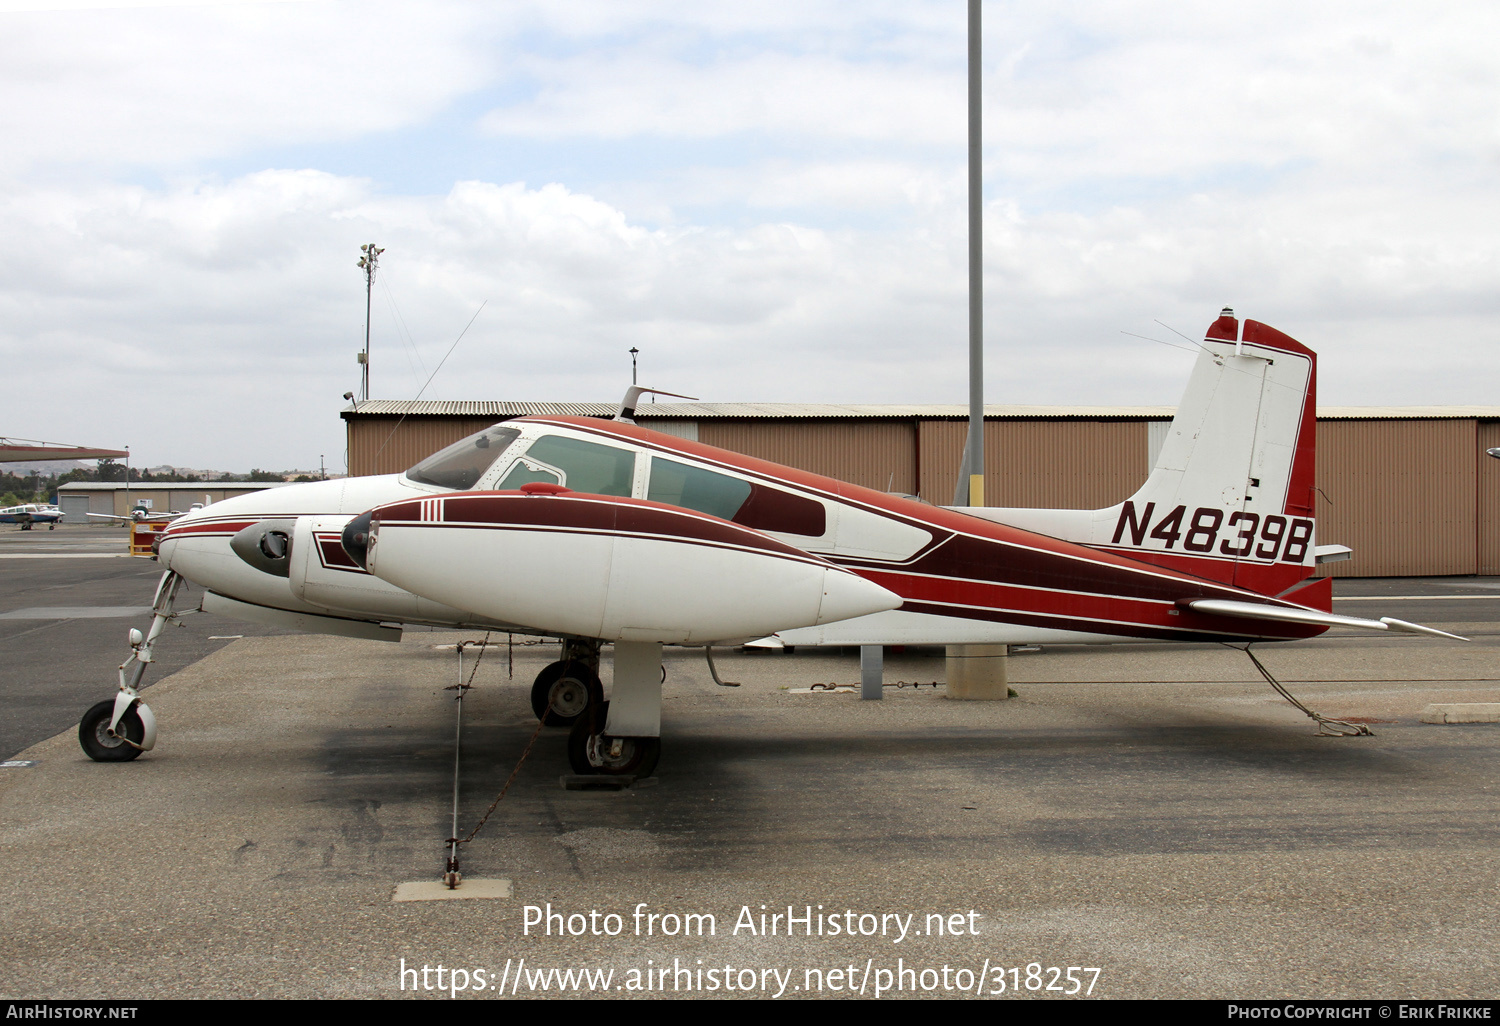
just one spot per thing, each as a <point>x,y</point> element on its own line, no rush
<point>589,749</point>
<point>563,690</point>
<point>93,733</point>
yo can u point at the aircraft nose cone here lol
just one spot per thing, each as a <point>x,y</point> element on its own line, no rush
<point>356,539</point>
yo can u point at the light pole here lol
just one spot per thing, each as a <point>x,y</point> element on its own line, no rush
<point>367,263</point>
<point>633,351</point>
<point>970,489</point>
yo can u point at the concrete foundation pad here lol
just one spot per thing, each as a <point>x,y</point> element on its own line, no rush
<point>1462,712</point>
<point>436,890</point>
<point>978,673</point>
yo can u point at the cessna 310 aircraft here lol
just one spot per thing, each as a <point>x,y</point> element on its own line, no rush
<point>599,531</point>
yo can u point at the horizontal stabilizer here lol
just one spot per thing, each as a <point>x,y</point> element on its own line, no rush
<point>1416,628</point>
<point>1331,553</point>
<point>1291,614</point>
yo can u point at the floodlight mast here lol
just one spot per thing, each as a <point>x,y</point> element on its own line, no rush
<point>368,264</point>
<point>970,488</point>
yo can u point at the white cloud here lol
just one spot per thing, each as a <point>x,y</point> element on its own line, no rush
<point>787,222</point>
<point>114,88</point>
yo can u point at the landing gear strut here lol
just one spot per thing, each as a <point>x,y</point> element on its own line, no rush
<point>120,729</point>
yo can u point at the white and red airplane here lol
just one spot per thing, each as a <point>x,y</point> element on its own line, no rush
<point>600,531</point>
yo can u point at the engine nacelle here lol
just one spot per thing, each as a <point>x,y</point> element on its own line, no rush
<point>322,573</point>
<point>611,568</point>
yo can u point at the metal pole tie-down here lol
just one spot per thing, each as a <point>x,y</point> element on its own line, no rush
<point>452,876</point>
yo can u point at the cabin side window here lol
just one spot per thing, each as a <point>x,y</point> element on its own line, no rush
<point>730,498</point>
<point>578,465</point>
<point>678,484</point>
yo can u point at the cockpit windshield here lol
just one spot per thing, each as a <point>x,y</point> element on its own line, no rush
<point>462,464</point>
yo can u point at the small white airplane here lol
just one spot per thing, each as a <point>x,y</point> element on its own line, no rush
<point>143,515</point>
<point>31,513</point>
<point>596,531</point>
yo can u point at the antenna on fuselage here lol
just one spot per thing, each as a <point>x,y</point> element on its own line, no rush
<point>633,395</point>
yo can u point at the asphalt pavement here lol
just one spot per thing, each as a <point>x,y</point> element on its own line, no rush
<point>1151,812</point>
<point>68,599</point>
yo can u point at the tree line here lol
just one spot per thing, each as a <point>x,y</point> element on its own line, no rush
<point>16,489</point>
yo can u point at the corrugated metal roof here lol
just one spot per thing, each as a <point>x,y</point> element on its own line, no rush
<point>51,453</point>
<point>861,411</point>
<point>1409,412</point>
<point>474,408</point>
<point>742,411</point>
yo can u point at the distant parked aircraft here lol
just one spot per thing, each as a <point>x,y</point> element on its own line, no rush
<point>31,513</point>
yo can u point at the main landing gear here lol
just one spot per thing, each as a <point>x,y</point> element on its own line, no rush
<point>621,737</point>
<point>593,751</point>
<point>119,729</point>
<point>564,689</point>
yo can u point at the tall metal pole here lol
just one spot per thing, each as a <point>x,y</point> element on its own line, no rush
<point>975,672</point>
<point>970,488</point>
<point>368,263</point>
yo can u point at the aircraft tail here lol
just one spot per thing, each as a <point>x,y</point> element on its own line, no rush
<point>1231,495</point>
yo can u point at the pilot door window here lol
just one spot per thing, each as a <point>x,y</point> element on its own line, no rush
<point>578,465</point>
<point>462,464</point>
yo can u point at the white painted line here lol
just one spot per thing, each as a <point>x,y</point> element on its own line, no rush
<point>1462,712</point>
<point>66,555</point>
<point>74,612</point>
<point>436,890</point>
<point>1411,598</point>
<point>17,764</point>
<point>225,637</point>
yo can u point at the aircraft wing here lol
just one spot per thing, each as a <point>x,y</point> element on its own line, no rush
<point>607,567</point>
<point>1298,614</point>
<point>154,518</point>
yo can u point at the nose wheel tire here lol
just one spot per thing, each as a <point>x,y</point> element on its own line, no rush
<point>590,751</point>
<point>99,745</point>
<point>563,690</point>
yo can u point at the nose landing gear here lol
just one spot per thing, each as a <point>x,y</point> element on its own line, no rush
<point>102,744</point>
<point>121,728</point>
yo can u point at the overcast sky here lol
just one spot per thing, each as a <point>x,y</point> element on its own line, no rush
<point>767,199</point>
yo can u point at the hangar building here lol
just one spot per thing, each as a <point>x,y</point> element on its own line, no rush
<point>77,499</point>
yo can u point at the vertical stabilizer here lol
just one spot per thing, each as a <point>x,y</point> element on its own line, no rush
<point>1231,495</point>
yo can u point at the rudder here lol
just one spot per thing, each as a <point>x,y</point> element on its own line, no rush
<point>1230,497</point>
